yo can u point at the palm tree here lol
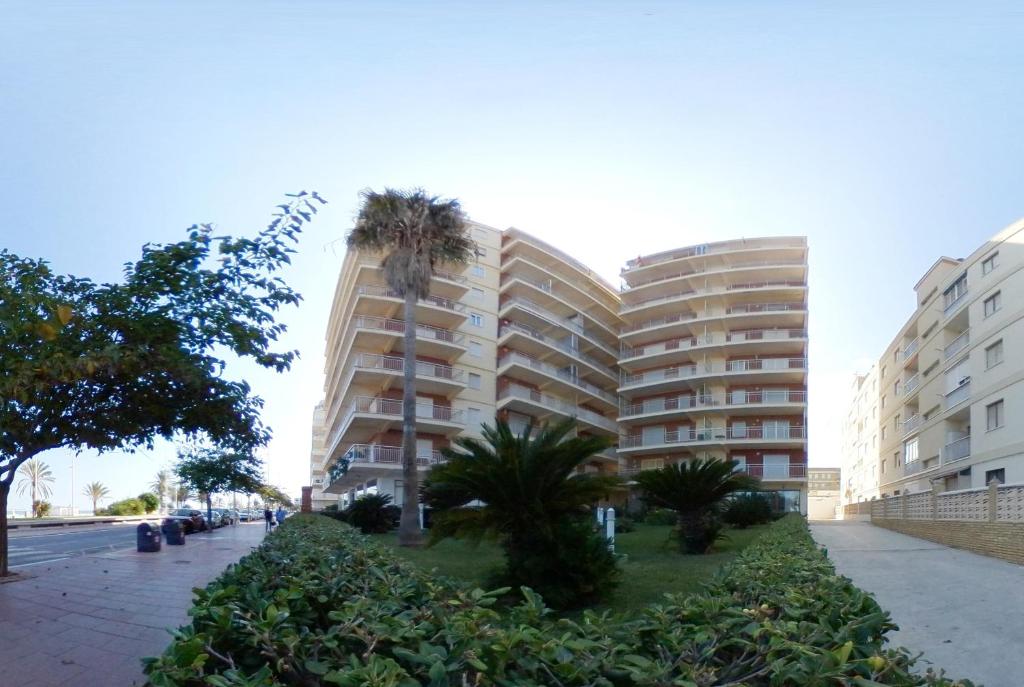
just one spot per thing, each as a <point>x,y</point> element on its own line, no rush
<point>161,486</point>
<point>182,493</point>
<point>36,477</point>
<point>695,490</point>
<point>525,492</point>
<point>96,491</point>
<point>415,232</point>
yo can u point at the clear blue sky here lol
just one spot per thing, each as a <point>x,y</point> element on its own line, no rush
<point>888,133</point>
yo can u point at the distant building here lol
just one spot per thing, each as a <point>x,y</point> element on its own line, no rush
<point>859,455</point>
<point>823,486</point>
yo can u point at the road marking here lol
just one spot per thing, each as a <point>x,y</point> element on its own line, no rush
<point>48,560</point>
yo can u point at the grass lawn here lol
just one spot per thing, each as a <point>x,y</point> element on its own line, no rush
<point>653,566</point>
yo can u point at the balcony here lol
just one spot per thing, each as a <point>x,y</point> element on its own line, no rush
<point>775,472</point>
<point>910,349</point>
<point>956,345</point>
<point>956,450</point>
<point>910,386</point>
<point>549,317</point>
<point>712,435</point>
<point>512,328</point>
<point>433,341</point>
<point>755,401</point>
<point>670,404</point>
<point>712,248</point>
<point>367,416</point>
<point>702,269</point>
<point>366,461</point>
<point>430,377</point>
<point>563,377</point>
<point>668,374</point>
<point>766,433</point>
<point>447,311</point>
<point>768,397</point>
<point>959,395</point>
<point>911,424</point>
<point>953,304</point>
<point>763,338</point>
<point>529,400</point>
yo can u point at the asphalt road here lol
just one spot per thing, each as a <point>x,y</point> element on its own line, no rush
<point>35,547</point>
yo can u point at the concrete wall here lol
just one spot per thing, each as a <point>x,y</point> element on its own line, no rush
<point>822,507</point>
<point>997,539</point>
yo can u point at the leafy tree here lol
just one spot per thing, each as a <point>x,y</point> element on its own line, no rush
<point>41,508</point>
<point>36,478</point>
<point>117,365</point>
<point>415,232</point>
<point>95,492</point>
<point>272,494</point>
<point>161,486</point>
<point>524,492</point>
<point>127,507</point>
<point>695,491</point>
<point>211,470</point>
<point>150,501</point>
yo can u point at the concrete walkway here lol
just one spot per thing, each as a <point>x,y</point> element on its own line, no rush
<point>87,621</point>
<point>964,611</point>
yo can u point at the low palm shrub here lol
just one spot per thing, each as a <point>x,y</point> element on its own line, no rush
<point>747,510</point>
<point>317,603</point>
<point>372,514</point>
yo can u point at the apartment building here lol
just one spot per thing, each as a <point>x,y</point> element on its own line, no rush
<point>859,454</point>
<point>823,486</point>
<point>713,359</point>
<point>705,347</point>
<point>950,383</point>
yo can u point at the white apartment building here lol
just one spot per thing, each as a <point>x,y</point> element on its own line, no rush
<point>951,383</point>
<point>859,456</point>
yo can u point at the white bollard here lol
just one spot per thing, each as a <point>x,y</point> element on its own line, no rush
<point>600,516</point>
<point>609,528</point>
<point>421,516</point>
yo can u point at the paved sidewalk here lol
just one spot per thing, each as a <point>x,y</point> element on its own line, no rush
<point>87,621</point>
<point>964,611</point>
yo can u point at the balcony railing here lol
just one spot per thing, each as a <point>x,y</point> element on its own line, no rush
<point>712,434</point>
<point>557,404</point>
<point>764,307</point>
<point>710,290</point>
<point>767,397</point>
<point>652,376</point>
<point>910,349</point>
<point>701,269</point>
<point>450,276</point>
<point>372,405</point>
<point>708,248</point>
<point>956,450</point>
<point>911,384</point>
<point>658,321</point>
<point>509,327</point>
<point>546,314</point>
<point>764,285</point>
<point>911,423</point>
<point>658,405</point>
<point>766,364</point>
<point>398,327</point>
<point>955,304</point>
<point>958,395</point>
<point>369,361</point>
<point>382,291</point>
<point>766,335</point>
<point>775,472</point>
<point>562,255</point>
<point>770,433</point>
<point>740,336</point>
<point>956,345</point>
<point>546,368</point>
<point>373,454</point>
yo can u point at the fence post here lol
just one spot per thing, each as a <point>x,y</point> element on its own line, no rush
<point>609,528</point>
<point>934,503</point>
<point>600,515</point>
<point>993,499</point>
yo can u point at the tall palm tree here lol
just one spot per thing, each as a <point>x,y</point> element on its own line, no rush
<point>695,490</point>
<point>182,493</point>
<point>37,478</point>
<point>415,232</point>
<point>161,486</point>
<point>96,491</point>
<point>526,493</point>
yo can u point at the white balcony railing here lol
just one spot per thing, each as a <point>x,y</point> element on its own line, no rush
<point>701,269</point>
<point>911,384</point>
<point>764,307</point>
<point>955,304</point>
<point>658,405</point>
<point>765,397</point>
<point>769,433</point>
<point>373,405</point>
<point>766,364</point>
<point>668,373</point>
<point>383,291</point>
<point>545,314</point>
<point>709,248</point>
<point>958,395</point>
<point>910,349</point>
<point>398,327</point>
<point>387,363</point>
<point>509,327</point>
<point>956,450</point>
<point>557,404</point>
<point>775,472</point>
<point>686,342</point>
<point>513,357</point>
<point>374,454</point>
<point>911,423</point>
<point>956,345</point>
<point>711,434</point>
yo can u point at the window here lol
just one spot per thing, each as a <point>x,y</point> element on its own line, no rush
<point>883,467</point>
<point>910,450</point>
<point>883,433</point>
<point>478,271</point>
<point>993,303</point>
<point>896,423</point>
<point>994,354</point>
<point>474,417</point>
<point>989,263</point>
<point>476,349</point>
<point>896,459</point>
<point>474,380</point>
<point>955,292</point>
<point>999,474</point>
<point>884,368</point>
<point>994,415</point>
<point>896,388</point>
<point>476,319</point>
<point>478,294</point>
<point>883,400</point>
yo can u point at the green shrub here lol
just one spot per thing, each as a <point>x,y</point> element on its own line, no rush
<point>149,502</point>
<point>373,514</point>
<point>42,508</point>
<point>624,524</point>
<point>319,604</point>
<point>127,507</point>
<point>747,510</point>
<point>661,516</point>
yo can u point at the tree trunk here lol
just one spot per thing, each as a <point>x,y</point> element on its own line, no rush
<point>209,512</point>
<point>4,491</point>
<point>409,526</point>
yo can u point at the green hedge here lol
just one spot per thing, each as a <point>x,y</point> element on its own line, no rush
<point>319,604</point>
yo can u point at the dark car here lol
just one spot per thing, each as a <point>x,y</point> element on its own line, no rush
<point>191,520</point>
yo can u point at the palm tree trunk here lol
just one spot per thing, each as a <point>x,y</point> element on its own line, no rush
<point>5,490</point>
<point>409,526</point>
<point>209,511</point>
<point>33,496</point>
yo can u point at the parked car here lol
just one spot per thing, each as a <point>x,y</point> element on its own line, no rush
<point>243,515</point>
<point>220,518</point>
<point>192,520</point>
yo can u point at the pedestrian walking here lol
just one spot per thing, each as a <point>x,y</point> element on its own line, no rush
<point>268,515</point>
<point>281,514</point>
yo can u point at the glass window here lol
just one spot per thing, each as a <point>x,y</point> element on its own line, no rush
<point>478,294</point>
<point>955,292</point>
<point>994,354</point>
<point>989,263</point>
<point>993,303</point>
<point>474,380</point>
<point>994,415</point>
<point>476,349</point>
<point>476,319</point>
<point>910,450</point>
<point>478,271</point>
<point>474,417</point>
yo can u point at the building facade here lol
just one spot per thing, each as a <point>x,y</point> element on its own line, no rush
<point>859,453</point>
<point>950,383</point>
<point>823,486</point>
<point>703,352</point>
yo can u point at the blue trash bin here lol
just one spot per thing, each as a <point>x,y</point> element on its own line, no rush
<point>147,538</point>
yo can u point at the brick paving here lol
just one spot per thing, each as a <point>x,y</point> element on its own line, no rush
<point>87,621</point>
